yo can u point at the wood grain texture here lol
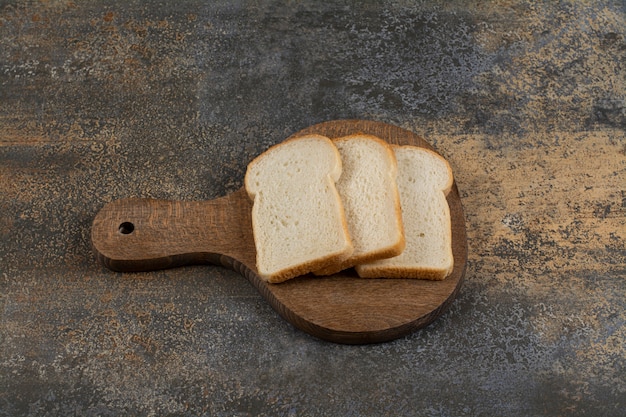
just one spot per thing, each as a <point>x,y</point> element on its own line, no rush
<point>340,308</point>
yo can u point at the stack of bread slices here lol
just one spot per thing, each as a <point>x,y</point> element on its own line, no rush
<point>321,206</point>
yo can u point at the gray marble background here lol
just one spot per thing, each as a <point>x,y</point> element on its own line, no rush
<point>101,100</point>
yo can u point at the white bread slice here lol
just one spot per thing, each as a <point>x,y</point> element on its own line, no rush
<point>424,180</point>
<point>370,198</point>
<point>298,220</point>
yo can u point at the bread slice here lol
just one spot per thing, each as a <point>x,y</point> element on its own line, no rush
<point>370,199</point>
<point>424,180</point>
<point>298,220</point>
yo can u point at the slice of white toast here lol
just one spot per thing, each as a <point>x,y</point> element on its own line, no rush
<point>298,220</point>
<point>424,179</point>
<point>370,198</point>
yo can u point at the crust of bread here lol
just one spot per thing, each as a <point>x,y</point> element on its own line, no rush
<point>404,272</point>
<point>304,268</point>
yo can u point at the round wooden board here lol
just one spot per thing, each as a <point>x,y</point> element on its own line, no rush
<point>146,234</point>
<point>348,309</point>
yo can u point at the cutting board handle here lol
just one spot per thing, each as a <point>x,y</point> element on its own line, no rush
<point>147,234</point>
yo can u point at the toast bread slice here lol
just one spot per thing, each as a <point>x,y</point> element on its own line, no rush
<point>298,219</point>
<point>371,200</point>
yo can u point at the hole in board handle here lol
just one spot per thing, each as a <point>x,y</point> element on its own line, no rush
<point>126,228</point>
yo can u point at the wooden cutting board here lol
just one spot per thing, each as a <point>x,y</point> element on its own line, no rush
<point>146,234</point>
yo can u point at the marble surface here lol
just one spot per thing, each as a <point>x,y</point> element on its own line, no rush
<point>106,100</point>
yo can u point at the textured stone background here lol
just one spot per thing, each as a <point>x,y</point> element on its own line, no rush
<point>105,100</point>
